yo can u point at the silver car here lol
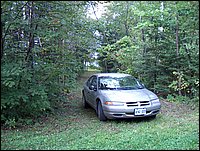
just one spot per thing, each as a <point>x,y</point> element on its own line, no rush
<point>117,95</point>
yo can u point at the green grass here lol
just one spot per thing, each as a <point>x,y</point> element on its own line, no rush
<point>75,128</point>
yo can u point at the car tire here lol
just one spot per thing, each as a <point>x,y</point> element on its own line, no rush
<point>153,117</point>
<point>85,104</point>
<point>100,113</point>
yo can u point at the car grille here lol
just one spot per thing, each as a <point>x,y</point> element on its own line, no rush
<point>138,103</point>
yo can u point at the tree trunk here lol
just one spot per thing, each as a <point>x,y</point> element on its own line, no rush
<point>29,56</point>
<point>177,54</point>
<point>126,22</point>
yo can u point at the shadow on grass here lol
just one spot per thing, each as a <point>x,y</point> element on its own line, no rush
<point>132,120</point>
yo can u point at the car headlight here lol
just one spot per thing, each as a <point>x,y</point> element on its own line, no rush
<point>155,101</point>
<point>114,103</point>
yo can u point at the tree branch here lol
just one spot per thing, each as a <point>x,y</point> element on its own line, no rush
<point>6,31</point>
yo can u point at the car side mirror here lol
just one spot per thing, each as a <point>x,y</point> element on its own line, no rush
<point>92,87</point>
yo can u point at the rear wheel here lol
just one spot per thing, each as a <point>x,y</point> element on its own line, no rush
<point>100,113</point>
<point>85,104</point>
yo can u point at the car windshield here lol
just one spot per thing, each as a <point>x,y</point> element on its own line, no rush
<point>121,83</point>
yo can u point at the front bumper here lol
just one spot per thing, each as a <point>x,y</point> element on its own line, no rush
<point>113,112</point>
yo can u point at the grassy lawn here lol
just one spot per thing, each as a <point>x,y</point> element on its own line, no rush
<point>74,128</point>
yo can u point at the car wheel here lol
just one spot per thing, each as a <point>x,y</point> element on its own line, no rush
<point>153,116</point>
<point>85,104</point>
<point>100,113</point>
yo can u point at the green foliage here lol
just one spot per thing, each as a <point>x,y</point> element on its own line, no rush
<point>177,98</point>
<point>157,42</point>
<point>23,97</point>
<point>184,85</point>
<point>11,123</point>
<point>41,55</point>
<point>107,58</point>
<point>118,56</point>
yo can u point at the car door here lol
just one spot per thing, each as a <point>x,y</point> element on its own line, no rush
<point>87,89</point>
<point>92,91</point>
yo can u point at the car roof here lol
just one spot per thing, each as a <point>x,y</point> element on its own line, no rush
<point>111,74</point>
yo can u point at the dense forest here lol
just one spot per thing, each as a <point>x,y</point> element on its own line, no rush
<point>45,46</point>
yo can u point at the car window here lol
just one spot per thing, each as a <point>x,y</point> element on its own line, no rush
<point>89,81</point>
<point>92,81</point>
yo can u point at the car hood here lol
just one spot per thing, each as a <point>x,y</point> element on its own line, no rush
<point>128,95</point>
